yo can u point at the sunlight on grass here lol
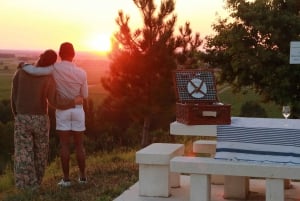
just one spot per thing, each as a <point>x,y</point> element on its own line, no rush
<point>109,174</point>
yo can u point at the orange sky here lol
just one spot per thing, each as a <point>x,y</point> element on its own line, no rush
<point>43,24</point>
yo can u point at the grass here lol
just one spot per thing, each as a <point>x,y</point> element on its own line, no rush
<point>109,174</point>
<point>238,99</point>
<point>5,85</point>
<point>6,180</point>
<point>97,93</point>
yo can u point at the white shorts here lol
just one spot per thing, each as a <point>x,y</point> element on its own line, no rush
<point>71,119</point>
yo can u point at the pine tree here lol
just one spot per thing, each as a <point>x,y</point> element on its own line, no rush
<point>142,61</point>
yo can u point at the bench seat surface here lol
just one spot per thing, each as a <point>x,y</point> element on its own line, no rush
<point>159,153</point>
<point>204,165</point>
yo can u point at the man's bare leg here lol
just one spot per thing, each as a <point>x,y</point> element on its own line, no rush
<point>80,152</point>
<point>65,138</point>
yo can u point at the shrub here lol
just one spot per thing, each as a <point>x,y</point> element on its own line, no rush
<point>252,109</point>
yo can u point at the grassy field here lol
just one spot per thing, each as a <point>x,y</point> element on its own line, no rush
<point>108,176</point>
<point>5,85</point>
<point>96,91</point>
<point>238,99</point>
<point>95,70</point>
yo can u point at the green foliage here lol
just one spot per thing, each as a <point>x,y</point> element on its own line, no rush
<point>252,48</point>
<point>6,144</point>
<point>252,109</point>
<point>6,179</point>
<point>5,111</point>
<point>140,78</point>
<point>187,55</point>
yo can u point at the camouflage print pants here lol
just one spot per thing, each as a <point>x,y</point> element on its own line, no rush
<point>31,141</point>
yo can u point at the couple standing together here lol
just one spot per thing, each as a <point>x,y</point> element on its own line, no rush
<point>63,85</point>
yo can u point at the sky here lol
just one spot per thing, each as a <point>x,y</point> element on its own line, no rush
<point>88,24</point>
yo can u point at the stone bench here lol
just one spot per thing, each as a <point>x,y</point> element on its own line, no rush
<point>205,147</point>
<point>201,169</point>
<point>208,147</point>
<point>155,178</point>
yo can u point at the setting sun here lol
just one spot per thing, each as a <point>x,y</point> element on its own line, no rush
<point>100,43</point>
<point>89,24</point>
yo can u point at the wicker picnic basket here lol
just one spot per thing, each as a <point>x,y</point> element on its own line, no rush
<point>197,102</point>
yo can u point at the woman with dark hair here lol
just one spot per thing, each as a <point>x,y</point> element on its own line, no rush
<point>47,58</point>
<point>30,96</point>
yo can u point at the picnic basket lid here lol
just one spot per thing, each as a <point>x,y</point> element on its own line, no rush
<point>195,86</point>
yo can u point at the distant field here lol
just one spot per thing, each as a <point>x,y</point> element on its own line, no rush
<point>5,85</point>
<point>96,91</point>
<point>95,68</point>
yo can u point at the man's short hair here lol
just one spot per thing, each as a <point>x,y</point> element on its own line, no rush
<point>66,50</point>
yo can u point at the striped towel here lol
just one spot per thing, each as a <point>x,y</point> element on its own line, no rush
<point>259,139</point>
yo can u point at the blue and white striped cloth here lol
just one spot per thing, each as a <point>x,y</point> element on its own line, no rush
<point>259,139</point>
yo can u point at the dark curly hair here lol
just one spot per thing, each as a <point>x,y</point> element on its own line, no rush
<point>47,58</point>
